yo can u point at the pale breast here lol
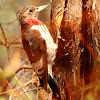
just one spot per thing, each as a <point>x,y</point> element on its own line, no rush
<point>50,45</point>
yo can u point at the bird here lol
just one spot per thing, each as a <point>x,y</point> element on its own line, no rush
<point>37,42</point>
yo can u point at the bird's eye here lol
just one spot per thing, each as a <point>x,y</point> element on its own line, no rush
<point>30,10</point>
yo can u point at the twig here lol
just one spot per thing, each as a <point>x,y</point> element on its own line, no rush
<point>25,67</point>
<point>18,87</point>
<point>4,83</point>
<point>24,59</point>
<point>2,41</point>
<point>17,46</point>
<point>6,44</point>
<point>3,34</point>
<point>22,88</point>
<point>14,41</point>
<point>10,43</point>
<point>9,22</point>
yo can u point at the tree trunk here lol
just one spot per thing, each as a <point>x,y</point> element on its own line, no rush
<point>72,20</point>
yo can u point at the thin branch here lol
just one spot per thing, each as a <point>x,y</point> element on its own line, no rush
<point>24,59</point>
<point>11,43</point>
<point>4,83</point>
<point>17,46</point>
<point>24,67</point>
<point>14,41</point>
<point>8,52</point>
<point>22,88</point>
<point>9,22</point>
<point>2,41</point>
<point>6,44</point>
<point>3,34</point>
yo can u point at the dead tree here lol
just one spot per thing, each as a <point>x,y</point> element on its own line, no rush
<point>71,20</point>
<point>86,58</point>
<point>68,53</point>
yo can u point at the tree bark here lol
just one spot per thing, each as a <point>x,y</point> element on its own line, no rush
<point>75,54</point>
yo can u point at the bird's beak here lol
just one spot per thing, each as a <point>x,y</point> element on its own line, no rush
<point>40,8</point>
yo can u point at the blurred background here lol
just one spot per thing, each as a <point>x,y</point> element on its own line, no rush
<point>12,55</point>
<point>10,35</point>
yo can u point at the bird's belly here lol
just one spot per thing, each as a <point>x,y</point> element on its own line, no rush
<point>33,50</point>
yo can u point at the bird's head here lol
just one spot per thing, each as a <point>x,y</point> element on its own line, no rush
<point>29,15</point>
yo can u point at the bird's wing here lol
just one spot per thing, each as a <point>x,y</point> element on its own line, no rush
<point>34,45</point>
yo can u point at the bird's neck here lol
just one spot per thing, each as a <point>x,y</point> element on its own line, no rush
<point>32,22</point>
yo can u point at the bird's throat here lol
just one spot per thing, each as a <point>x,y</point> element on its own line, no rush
<point>32,22</point>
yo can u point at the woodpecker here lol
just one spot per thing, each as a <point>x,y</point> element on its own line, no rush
<point>37,42</point>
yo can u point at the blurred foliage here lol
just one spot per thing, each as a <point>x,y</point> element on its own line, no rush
<point>90,97</point>
<point>2,98</point>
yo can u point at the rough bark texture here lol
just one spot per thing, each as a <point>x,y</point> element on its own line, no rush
<point>57,10</point>
<point>86,58</point>
<point>68,53</point>
<point>75,54</point>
